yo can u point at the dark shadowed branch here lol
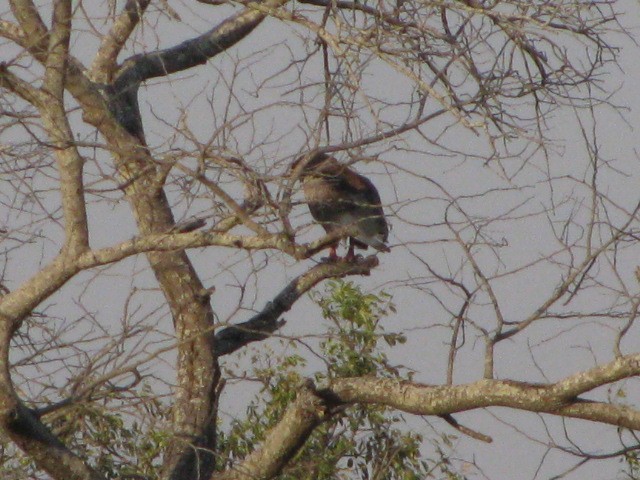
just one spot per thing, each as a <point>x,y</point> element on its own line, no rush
<point>104,62</point>
<point>267,321</point>
<point>27,431</point>
<point>195,51</point>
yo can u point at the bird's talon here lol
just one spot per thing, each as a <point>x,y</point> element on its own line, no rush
<point>354,258</point>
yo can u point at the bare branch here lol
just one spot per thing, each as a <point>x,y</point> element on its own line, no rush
<point>197,50</point>
<point>217,190</point>
<point>26,430</point>
<point>261,325</point>
<point>57,125</point>
<point>21,88</point>
<point>560,398</point>
<point>376,13</point>
<point>56,64</point>
<point>104,63</point>
<point>29,18</point>
<point>466,430</point>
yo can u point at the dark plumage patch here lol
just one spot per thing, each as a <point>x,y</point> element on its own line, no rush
<point>337,197</point>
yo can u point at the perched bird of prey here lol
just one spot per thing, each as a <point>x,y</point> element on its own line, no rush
<point>338,197</point>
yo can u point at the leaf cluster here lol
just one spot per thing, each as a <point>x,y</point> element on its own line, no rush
<point>366,442</point>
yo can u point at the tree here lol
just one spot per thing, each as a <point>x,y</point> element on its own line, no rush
<point>513,264</point>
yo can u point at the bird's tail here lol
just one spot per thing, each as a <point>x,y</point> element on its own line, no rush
<point>375,243</point>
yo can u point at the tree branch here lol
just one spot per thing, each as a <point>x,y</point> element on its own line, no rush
<point>559,398</point>
<point>30,21</point>
<point>56,123</point>
<point>261,325</point>
<point>378,14</point>
<point>311,407</point>
<point>23,89</point>
<point>43,447</point>
<point>195,51</point>
<point>104,63</point>
<point>283,440</point>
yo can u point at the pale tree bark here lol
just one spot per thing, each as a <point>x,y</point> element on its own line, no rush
<point>560,398</point>
<point>313,405</point>
<point>194,415</point>
<point>19,422</point>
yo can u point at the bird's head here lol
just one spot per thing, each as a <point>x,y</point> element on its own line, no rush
<point>317,163</point>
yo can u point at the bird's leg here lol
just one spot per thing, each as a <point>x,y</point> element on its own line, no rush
<point>350,256</point>
<point>333,254</point>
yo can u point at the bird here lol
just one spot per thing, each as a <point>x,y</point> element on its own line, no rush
<point>338,197</point>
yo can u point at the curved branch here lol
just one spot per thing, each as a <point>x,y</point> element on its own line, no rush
<point>558,398</point>
<point>104,63</point>
<point>195,51</point>
<point>311,407</point>
<point>49,453</point>
<point>261,325</point>
<point>16,305</point>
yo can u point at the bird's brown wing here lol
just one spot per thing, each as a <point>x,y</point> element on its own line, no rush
<point>338,196</point>
<point>363,201</point>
